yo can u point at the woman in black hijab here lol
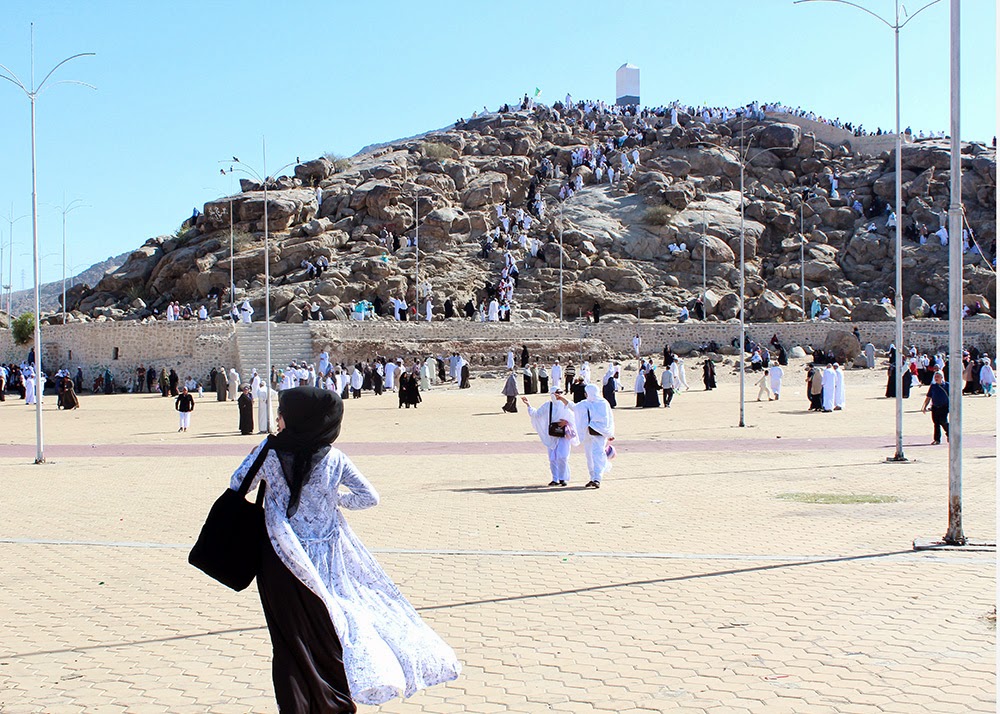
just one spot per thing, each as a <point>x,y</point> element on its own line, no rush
<point>652,395</point>
<point>318,583</point>
<point>245,404</point>
<point>308,665</point>
<point>708,374</point>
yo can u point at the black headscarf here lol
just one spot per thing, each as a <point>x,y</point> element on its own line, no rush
<point>312,419</point>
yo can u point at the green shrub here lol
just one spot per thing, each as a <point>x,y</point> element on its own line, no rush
<point>437,150</point>
<point>242,241</point>
<point>658,215</point>
<point>23,328</point>
<point>340,163</point>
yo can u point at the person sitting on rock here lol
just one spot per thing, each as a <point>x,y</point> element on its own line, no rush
<point>309,268</point>
<point>321,265</point>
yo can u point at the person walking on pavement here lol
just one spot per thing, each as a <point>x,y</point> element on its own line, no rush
<point>937,397</point>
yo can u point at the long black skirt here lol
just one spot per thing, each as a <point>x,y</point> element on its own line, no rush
<point>308,667</point>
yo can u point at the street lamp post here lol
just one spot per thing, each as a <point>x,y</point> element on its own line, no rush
<point>66,208</point>
<point>704,259</point>
<point>895,27</point>
<point>416,251</point>
<point>955,534</point>
<point>263,178</point>
<point>802,254</point>
<point>744,162</point>
<point>10,259</point>
<point>561,226</point>
<point>32,94</point>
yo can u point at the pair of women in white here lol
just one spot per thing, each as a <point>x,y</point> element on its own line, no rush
<point>589,423</point>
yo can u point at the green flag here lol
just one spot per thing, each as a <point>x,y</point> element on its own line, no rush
<point>537,92</point>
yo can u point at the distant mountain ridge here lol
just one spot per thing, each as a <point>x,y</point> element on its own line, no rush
<point>50,293</point>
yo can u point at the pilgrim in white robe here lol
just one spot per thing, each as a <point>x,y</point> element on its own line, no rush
<point>839,396</point>
<point>829,388</point>
<point>776,373</point>
<point>324,362</point>
<point>263,420</point>
<point>390,376</point>
<point>594,413</point>
<point>558,446</point>
<point>494,313</point>
<point>29,389</point>
<point>246,312</point>
<point>234,384</point>
<point>681,375</point>
<point>555,373</point>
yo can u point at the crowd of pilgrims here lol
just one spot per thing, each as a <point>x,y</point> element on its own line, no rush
<point>919,369</point>
<point>538,379</point>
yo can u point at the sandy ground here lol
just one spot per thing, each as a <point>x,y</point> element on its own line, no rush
<point>685,584</point>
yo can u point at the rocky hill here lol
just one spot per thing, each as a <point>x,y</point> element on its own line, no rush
<point>616,238</point>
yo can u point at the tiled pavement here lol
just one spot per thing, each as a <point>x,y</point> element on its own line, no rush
<point>683,585</point>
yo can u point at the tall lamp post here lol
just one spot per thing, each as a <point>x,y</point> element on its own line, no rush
<point>65,209</point>
<point>416,250</point>
<point>895,27</point>
<point>955,534</point>
<point>802,253</point>
<point>263,178</point>
<point>10,258</point>
<point>704,259</point>
<point>232,247</point>
<point>744,162</point>
<point>32,92</point>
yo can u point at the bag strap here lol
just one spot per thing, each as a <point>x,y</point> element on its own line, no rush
<point>254,468</point>
<point>550,412</point>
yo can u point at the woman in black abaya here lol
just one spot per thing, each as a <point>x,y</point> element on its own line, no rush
<point>245,404</point>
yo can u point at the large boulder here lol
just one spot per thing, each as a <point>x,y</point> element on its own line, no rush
<point>843,345</point>
<point>873,312</point>
<point>136,269</point>
<point>766,308</point>
<point>728,306</point>
<point>780,136</point>
<point>487,188</point>
<point>312,172</point>
<point>713,249</point>
<point>284,208</point>
<point>918,306</point>
<point>440,224</point>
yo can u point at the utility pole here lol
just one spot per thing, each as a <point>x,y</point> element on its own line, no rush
<point>955,535</point>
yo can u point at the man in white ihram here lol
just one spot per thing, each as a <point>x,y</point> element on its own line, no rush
<point>555,425</point>
<point>246,312</point>
<point>597,428</point>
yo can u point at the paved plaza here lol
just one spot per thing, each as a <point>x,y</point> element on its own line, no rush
<point>702,577</point>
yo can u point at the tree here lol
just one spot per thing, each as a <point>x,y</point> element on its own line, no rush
<point>23,328</point>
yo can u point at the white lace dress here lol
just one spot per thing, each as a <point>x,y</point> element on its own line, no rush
<point>388,650</point>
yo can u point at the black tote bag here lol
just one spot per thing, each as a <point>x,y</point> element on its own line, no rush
<point>228,547</point>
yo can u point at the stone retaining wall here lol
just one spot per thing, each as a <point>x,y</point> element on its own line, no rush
<point>195,347</point>
<point>834,136</point>
<point>192,348</point>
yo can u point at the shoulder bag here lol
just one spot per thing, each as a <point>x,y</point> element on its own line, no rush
<point>555,428</point>
<point>228,547</point>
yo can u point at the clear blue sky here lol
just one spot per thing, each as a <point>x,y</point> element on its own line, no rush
<point>181,85</point>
